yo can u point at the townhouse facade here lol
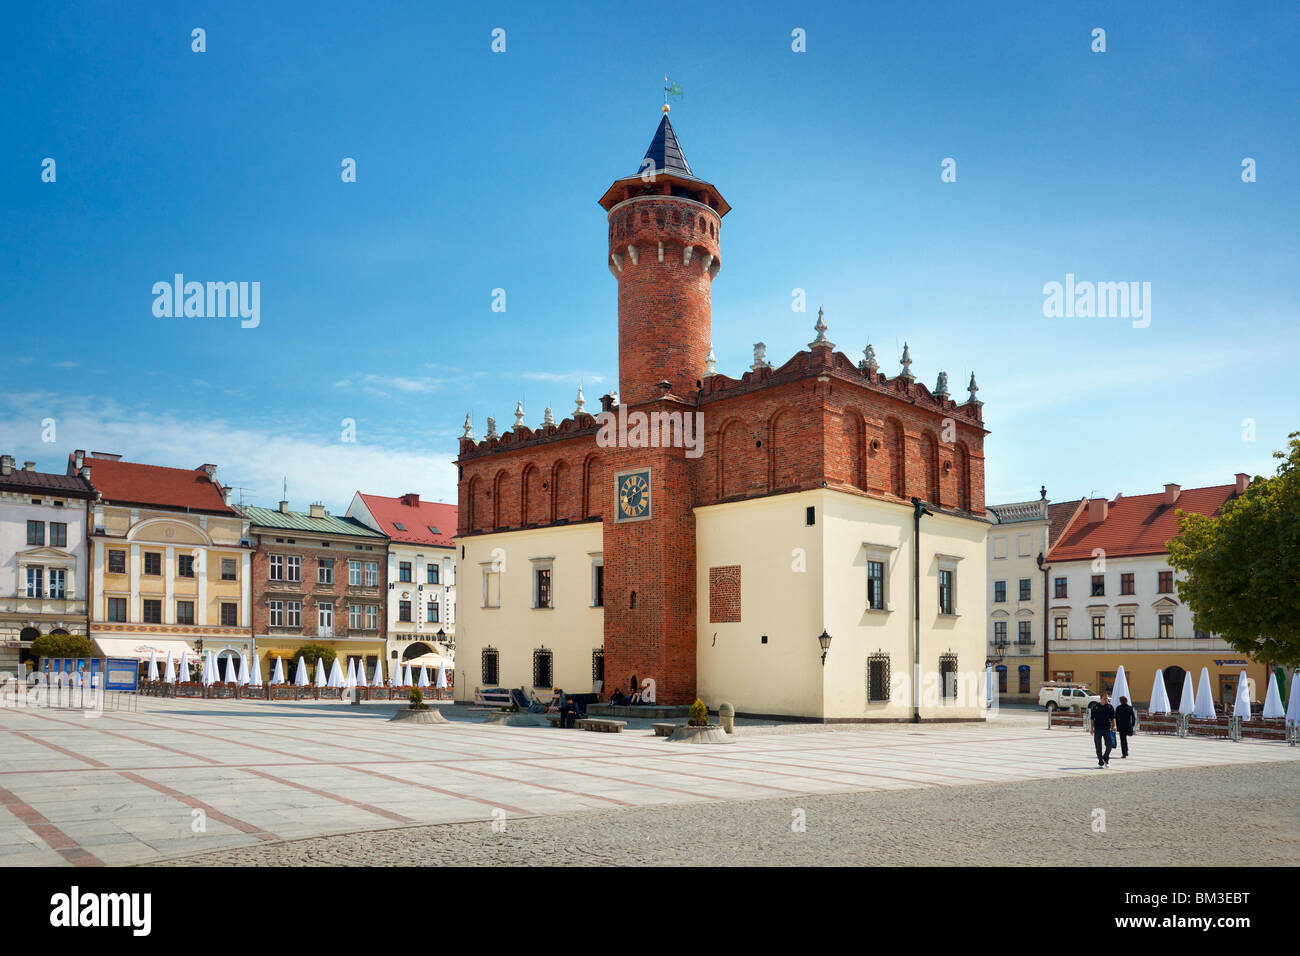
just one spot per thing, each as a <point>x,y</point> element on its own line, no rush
<point>1114,598</point>
<point>44,575</point>
<point>317,579</point>
<point>421,594</point>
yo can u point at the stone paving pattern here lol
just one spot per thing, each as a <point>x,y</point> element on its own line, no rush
<point>127,788</point>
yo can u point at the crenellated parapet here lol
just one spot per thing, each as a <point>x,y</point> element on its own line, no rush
<point>657,231</point>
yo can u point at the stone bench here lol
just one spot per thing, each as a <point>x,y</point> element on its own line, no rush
<point>601,725</point>
<point>664,730</point>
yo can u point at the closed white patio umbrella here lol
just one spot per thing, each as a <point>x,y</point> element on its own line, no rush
<point>336,674</point>
<point>320,674</point>
<point>1293,701</point>
<point>377,679</point>
<point>1273,699</point>
<point>255,678</point>
<point>153,666</point>
<point>1187,705</point>
<point>169,671</point>
<point>1159,698</point>
<point>1121,687</point>
<point>243,669</point>
<point>209,669</point>
<point>442,677</point>
<point>424,676</point>
<point>300,674</point>
<point>183,668</point>
<point>232,670</point>
<point>1241,708</point>
<point>277,675</point>
<point>407,678</point>
<point>1204,696</point>
<point>352,674</point>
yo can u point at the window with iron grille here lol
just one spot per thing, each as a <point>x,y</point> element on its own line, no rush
<point>948,675</point>
<point>878,677</point>
<point>490,669</point>
<point>598,666</point>
<point>542,670</point>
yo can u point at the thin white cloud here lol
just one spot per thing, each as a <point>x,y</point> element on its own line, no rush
<point>386,384</point>
<point>574,378</point>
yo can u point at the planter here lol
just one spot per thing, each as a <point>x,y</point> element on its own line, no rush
<point>431,716</point>
<point>712,734</point>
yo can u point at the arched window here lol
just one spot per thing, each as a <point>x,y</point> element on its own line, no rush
<point>1002,678</point>
<point>1024,678</point>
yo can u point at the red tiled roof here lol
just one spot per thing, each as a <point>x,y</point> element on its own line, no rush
<point>417,519</point>
<point>1059,514</point>
<point>127,482</point>
<point>40,481</point>
<point>1138,525</point>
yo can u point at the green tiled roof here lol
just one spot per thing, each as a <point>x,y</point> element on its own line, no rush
<point>298,521</point>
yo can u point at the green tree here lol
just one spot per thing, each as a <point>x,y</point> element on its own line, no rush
<point>1243,568</point>
<point>317,654</point>
<point>62,645</point>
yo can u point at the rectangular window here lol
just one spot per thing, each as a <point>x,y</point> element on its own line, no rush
<point>35,582</point>
<point>431,573</point>
<point>277,567</point>
<point>117,609</point>
<point>184,612</point>
<point>404,571</point>
<point>372,617</point>
<point>354,617</point>
<point>1061,629</point>
<point>1166,625</point>
<point>229,614</point>
<point>1166,585</point>
<point>293,614</point>
<point>1099,585</point>
<point>404,610</point>
<point>598,585</point>
<point>36,532</point>
<point>228,572</point>
<point>325,571</point>
<point>1126,583</point>
<point>999,592</point>
<point>152,611</point>
<point>948,675</point>
<point>153,562</point>
<point>1024,678</point>
<point>58,534</point>
<point>277,613</point>
<point>542,592</point>
<point>876,585</point>
<point>491,588</point>
<point>1026,589</point>
<point>372,574</point>
<point>999,633</point>
<point>1024,634</point>
<point>1062,589</point>
<point>490,667</point>
<point>325,615</point>
<point>1126,628</point>
<point>945,590</point>
<point>431,612</point>
<point>543,671</point>
<point>1098,627</point>
<point>116,562</point>
<point>878,678</point>
<point>58,584</point>
<point>185,565</point>
<point>293,567</point>
<point>354,574</point>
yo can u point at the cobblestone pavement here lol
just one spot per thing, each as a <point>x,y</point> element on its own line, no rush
<point>1221,816</point>
<point>180,777</point>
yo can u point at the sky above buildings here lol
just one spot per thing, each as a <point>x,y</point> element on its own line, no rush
<point>479,171</point>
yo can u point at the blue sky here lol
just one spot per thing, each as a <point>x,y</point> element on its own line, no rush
<point>479,170</point>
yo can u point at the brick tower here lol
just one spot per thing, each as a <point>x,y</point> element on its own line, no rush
<point>664,226</point>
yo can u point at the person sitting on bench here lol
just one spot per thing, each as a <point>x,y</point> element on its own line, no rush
<point>617,697</point>
<point>568,714</point>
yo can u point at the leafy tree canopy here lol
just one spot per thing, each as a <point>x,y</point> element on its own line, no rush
<point>1243,568</point>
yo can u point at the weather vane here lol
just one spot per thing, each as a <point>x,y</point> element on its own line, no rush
<point>670,89</point>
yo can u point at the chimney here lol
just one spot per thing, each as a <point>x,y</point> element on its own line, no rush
<point>6,464</point>
<point>85,472</point>
<point>284,507</point>
<point>411,499</point>
<point>1171,493</point>
<point>225,492</point>
<point>29,466</point>
<point>209,470</point>
<point>1098,509</point>
<point>80,459</point>
<point>1243,482</point>
<point>318,509</point>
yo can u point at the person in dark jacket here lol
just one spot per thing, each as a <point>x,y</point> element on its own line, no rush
<point>1125,720</point>
<point>1103,714</point>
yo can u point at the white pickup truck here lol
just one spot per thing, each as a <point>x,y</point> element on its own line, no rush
<point>1066,696</point>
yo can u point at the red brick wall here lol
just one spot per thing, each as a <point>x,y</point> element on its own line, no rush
<point>308,591</point>
<point>724,594</point>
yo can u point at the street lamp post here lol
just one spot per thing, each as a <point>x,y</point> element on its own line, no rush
<point>918,509</point>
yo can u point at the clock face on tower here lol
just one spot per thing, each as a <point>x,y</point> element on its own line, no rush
<point>632,489</point>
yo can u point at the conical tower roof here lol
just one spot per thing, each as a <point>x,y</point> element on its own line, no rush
<point>666,152</point>
<point>665,171</point>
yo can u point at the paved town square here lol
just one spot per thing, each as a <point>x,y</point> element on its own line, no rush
<point>239,782</point>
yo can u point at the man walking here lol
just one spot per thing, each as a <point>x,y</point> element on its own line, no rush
<point>1102,716</point>
<point>1125,720</point>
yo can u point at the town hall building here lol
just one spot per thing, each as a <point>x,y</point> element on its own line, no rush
<point>806,540</point>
